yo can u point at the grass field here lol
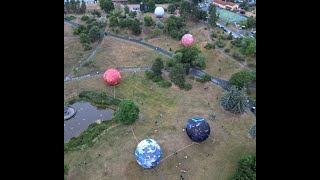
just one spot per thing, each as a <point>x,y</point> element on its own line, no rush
<point>213,160</point>
<point>115,53</point>
<point>73,50</point>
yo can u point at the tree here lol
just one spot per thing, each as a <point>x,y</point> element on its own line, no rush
<point>151,6</point>
<point>133,14</point>
<point>177,74</point>
<point>200,14</point>
<point>242,78</point>
<point>136,27</point>
<point>78,6</point>
<point>171,8</point>
<point>246,168</point>
<point>83,7</point>
<point>251,22</point>
<point>73,6</point>
<point>148,20</point>
<point>67,5</point>
<point>106,5</point>
<point>128,112</point>
<point>113,21</point>
<point>84,38</point>
<point>189,53</point>
<point>248,46</point>
<point>94,33</point>
<point>157,66</point>
<point>178,57</point>
<point>230,36</point>
<point>126,9</point>
<point>234,100</point>
<point>213,17</point>
<point>200,62</point>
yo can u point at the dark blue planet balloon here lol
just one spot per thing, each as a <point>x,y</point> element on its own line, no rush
<point>148,153</point>
<point>198,129</point>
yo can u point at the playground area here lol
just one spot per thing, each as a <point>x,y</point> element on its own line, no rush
<point>231,17</point>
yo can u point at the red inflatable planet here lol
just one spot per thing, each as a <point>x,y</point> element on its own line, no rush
<point>112,77</point>
<point>187,40</point>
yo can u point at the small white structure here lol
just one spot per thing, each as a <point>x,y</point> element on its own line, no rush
<point>159,12</point>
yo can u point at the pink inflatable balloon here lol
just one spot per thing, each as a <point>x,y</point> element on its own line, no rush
<point>187,40</point>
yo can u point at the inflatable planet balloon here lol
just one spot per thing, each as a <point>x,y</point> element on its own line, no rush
<point>198,129</point>
<point>112,77</point>
<point>148,153</point>
<point>159,12</point>
<point>187,40</point>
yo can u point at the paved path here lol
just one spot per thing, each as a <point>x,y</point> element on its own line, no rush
<point>72,23</point>
<point>92,53</point>
<point>99,73</point>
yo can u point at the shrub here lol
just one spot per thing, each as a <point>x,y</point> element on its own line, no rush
<point>84,38</point>
<point>84,18</point>
<point>209,46</point>
<point>128,112</point>
<point>157,78</point>
<point>205,78</point>
<point>89,21</point>
<point>238,56</point>
<point>66,169</point>
<point>86,47</point>
<point>95,12</point>
<point>187,86</point>
<point>70,18</point>
<point>79,29</point>
<point>205,28</point>
<point>220,44</point>
<point>214,35</point>
<point>87,137</point>
<point>149,74</point>
<point>156,32</point>
<point>200,62</point>
<point>170,62</point>
<point>227,50</point>
<point>164,84</point>
<point>222,37</point>
<point>98,98</point>
<point>88,63</point>
<point>242,78</point>
<point>148,20</point>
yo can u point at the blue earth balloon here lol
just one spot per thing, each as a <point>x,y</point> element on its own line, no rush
<point>198,129</point>
<point>148,153</point>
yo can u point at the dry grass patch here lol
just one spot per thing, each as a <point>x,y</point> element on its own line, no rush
<point>166,42</point>
<point>116,52</point>
<point>73,50</point>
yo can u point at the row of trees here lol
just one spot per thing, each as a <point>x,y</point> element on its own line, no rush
<point>213,17</point>
<point>74,6</point>
<point>117,19</point>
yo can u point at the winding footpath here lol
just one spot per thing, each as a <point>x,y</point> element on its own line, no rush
<point>196,72</point>
<point>90,55</point>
